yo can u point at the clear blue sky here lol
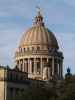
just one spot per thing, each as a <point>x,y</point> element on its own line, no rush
<point>18,15</point>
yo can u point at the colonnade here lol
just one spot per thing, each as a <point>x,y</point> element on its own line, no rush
<point>35,66</point>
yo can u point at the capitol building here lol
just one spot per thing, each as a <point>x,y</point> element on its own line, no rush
<point>37,58</point>
<point>38,52</point>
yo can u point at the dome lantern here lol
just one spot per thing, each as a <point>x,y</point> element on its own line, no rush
<point>39,18</point>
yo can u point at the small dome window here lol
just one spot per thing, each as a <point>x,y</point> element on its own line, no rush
<point>38,48</point>
<point>32,48</point>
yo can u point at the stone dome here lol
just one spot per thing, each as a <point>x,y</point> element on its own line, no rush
<point>39,35</point>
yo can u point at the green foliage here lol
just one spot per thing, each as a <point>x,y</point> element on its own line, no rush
<point>36,93</point>
<point>67,88</point>
<point>65,91</point>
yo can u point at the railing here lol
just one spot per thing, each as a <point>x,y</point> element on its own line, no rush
<point>40,52</point>
<point>31,53</point>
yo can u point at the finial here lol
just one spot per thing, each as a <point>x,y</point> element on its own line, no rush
<point>68,70</point>
<point>68,74</point>
<point>38,10</point>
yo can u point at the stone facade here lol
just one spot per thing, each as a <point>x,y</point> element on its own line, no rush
<point>10,81</point>
<point>13,82</point>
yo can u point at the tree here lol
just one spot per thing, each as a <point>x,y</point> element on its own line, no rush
<point>67,87</point>
<point>64,91</point>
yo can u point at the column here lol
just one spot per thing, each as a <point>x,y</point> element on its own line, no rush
<point>48,68</point>
<point>30,66</point>
<point>23,66</point>
<point>41,64</point>
<point>58,69</point>
<point>47,60</point>
<point>35,69</point>
<point>61,68</point>
<point>38,65</point>
<point>26,66</point>
<point>19,65</point>
<point>52,66</point>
